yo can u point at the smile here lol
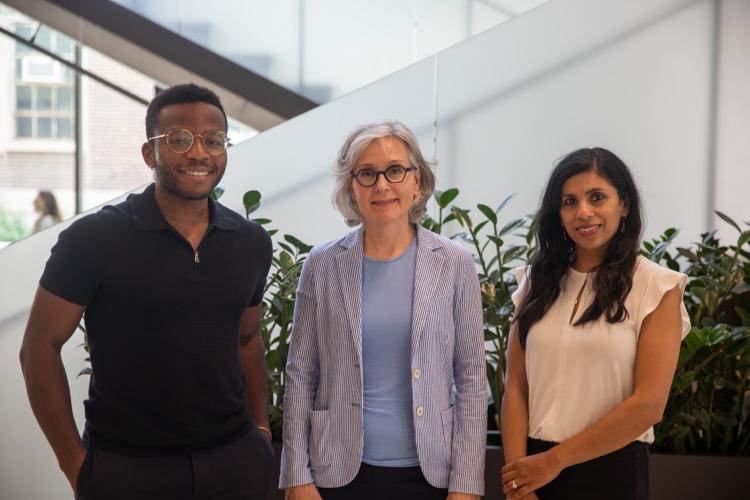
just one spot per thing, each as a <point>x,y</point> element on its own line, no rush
<point>195,173</point>
<point>588,230</point>
<point>384,203</point>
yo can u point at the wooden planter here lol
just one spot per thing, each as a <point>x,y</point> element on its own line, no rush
<point>672,477</point>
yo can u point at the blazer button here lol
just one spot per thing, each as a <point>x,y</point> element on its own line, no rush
<point>417,373</point>
<point>420,411</point>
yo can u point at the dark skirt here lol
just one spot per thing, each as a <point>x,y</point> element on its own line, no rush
<point>386,483</point>
<point>620,475</point>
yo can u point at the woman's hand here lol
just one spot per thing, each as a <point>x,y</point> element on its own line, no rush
<point>302,492</point>
<point>461,496</point>
<point>528,474</point>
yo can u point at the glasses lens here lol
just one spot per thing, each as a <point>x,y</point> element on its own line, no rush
<point>395,173</point>
<point>179,140</point>
<point>367,177</point>
<point>215,142</point>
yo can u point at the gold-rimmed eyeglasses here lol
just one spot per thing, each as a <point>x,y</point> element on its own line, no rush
<point>180,140</point>
<point>368,177</point>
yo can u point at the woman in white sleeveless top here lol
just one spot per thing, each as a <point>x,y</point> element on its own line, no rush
<point>594,342</point>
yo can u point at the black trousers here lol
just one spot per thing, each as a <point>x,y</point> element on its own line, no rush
<point>240,470</point>
<point>386,483</point>
<point>620,475</point>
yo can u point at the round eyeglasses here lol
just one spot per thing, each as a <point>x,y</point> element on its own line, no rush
<point>394,174</point>
<point>180,140</point>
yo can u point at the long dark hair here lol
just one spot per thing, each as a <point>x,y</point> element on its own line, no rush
<point>555,252</point>
<point>49,205</point>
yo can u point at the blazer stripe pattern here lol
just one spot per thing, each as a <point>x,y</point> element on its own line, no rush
<point>323,436</point>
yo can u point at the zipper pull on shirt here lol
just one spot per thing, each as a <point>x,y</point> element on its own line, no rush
<point>196,258</point>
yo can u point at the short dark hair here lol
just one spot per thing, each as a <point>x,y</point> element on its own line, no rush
<point>178,94</point>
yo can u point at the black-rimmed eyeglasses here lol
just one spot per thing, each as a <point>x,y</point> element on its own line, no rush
<point>180,140</point>
<point>368,177</point>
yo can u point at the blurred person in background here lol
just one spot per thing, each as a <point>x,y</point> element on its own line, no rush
<point>45,206</point>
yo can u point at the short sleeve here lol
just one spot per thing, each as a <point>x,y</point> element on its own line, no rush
<point>73,270</point>
<point>658,281</point>
<point>265,248</point>
<point>522,276</point>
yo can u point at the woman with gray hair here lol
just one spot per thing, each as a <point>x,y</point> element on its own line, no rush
<point>388,321</point>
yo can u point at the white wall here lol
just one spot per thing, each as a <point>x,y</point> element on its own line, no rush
<point>338,44</point>
<point>733,120</point>
<point>28,468</point>
<point>636,82</point>
<point>634,76</point>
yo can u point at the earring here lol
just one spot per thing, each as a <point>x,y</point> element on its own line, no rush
<point>622,225</point>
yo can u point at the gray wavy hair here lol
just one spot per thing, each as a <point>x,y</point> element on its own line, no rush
<point>357,142</point>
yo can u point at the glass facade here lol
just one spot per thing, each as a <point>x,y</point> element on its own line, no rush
<point>58,156</point>
<point>43,87</point>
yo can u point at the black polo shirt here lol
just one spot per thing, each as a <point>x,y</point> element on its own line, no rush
<point>162,322</point>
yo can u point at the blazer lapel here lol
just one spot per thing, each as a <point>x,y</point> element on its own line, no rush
<point>349,266</point>
<point>429,268</point>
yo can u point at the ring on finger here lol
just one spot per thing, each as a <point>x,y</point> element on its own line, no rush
<point>514,484</point>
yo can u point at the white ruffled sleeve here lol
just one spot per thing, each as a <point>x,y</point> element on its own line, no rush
<point>657,281</point>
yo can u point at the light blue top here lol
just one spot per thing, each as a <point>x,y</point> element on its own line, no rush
<point>387,296</point>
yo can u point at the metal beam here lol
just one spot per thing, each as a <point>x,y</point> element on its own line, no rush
<point>75,66</point>
<point>167,57</point>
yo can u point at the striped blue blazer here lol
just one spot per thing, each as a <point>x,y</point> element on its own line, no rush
<point>323,436</point>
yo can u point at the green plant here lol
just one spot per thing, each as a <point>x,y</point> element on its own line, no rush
<point>706,411</point>
<point>494,257</point>
<point>278,308</point>
<point>709,403</point>
<point>708,407</point>
<point>12,227</point>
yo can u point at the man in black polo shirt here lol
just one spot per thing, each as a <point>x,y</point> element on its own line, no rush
<point>171,285</point>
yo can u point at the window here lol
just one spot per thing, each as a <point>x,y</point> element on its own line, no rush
<point>44,87</point>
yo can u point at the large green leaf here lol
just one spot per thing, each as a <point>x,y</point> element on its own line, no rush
<point>488,212</point>
<point>728,220</point>
<point>251,201</point>
<point>444,198</point>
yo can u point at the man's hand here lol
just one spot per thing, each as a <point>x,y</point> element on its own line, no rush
<point>72,466</point>
<point>52,321</point>
<point>302,492</point>
<point>528,474</point>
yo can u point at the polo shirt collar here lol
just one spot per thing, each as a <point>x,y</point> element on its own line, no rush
<point>147,215</point>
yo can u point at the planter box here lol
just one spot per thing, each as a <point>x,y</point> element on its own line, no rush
<point>672,477</point>
<point>699,477</point>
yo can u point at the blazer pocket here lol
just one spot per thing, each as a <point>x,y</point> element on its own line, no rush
<point>447,418</point>
<point>319,441</point>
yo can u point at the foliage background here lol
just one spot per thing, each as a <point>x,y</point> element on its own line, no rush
<point>708,411</point>
<point>709,401</point>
